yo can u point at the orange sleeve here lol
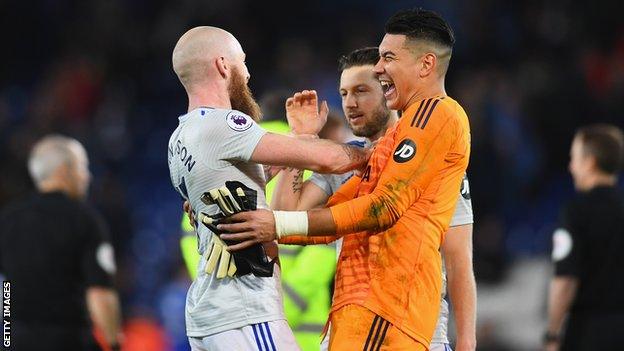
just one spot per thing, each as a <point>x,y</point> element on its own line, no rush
<point>346,192</point>
<point>418,154</point>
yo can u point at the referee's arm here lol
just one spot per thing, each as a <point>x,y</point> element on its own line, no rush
<point>564,284</point>
<point>560,297</point>
<point>98,266</point>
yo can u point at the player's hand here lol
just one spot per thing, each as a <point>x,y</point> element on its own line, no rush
<point>189,213</point>
<point>249,228</point>
<point>303,113</point>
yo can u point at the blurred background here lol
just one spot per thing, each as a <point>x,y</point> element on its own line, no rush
<point>527,72</point>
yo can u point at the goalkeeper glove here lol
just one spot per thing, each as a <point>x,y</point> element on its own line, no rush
<point>217,253</point>
<point>233,198</point>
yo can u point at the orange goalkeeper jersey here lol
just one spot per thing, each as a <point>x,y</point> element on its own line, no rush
<point>408,193</point>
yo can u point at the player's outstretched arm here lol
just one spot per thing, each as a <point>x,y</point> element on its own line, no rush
<point>457,250</point>
<point>322,156</point>
<point>300,151</point>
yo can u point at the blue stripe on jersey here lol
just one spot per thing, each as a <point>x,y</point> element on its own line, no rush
<point>357,143</point>
<point>256,336</point>
<point>266,325</point>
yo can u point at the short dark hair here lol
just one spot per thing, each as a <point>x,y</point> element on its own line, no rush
<point>421,24</point>
<point>605,142</point>
<point>360,57</point>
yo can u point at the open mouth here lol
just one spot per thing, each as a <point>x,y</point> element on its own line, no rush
<point>387,87</point>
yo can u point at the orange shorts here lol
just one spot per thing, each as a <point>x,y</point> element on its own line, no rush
<point>354,327</point>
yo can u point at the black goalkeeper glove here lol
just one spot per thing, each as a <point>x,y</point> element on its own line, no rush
<point>233,198</point>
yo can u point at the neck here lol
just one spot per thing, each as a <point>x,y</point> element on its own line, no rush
<point>208,97</point>
<point>428,90</point>
<point>53,186</point>
<point>391,121</point>
<point>599,179</point>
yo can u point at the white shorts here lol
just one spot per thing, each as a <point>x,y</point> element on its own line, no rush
<point>438,346</point>
<point>266,336</point>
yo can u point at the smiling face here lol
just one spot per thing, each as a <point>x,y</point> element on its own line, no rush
<point>362,101</point>
<point>398,70</point>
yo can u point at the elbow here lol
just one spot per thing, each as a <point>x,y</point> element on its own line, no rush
<point>386,213</point>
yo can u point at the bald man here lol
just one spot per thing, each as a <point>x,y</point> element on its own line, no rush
<point>218,140</point>
<point>64,265</point>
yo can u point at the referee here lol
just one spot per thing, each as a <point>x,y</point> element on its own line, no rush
<point>588,249</point>
<point>54,250</point>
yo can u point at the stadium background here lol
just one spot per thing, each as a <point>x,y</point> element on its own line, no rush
<point>528,73</point>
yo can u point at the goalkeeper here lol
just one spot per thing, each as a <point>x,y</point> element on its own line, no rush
<point>215,158</point>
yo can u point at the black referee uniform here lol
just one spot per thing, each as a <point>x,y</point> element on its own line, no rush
<point>590,246</point>
<point>51,249</point>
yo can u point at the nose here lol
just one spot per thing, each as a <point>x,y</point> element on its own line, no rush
<point>379,69</point>
<point>350,100</point>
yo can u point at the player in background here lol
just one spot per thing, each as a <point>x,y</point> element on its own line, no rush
<point>368,117</point>
<point>218,141</point>
<point>587,249</point>
<point>393,217</point>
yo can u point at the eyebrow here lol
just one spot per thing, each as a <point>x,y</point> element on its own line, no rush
<point>387,53</point>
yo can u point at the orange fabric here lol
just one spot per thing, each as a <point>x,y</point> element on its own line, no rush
<point>391,263</point>
<point>357,328</point>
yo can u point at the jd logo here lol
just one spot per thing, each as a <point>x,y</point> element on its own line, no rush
<point>405,151</point>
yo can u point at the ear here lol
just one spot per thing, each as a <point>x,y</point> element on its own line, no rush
<point>222,67</point>
<point>429,62</point>
<point>591,163</point>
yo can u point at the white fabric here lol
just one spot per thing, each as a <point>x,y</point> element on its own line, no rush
<point>210,147</point>
<point>290,223</point>
<point>267,336</point>
<point>440,346</point>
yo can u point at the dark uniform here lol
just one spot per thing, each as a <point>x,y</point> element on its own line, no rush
<point>590,246</point>
<point>52,248</point>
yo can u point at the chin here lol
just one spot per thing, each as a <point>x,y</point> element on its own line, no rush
<point>393,104</point>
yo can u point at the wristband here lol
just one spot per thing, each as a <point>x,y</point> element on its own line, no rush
<point>289,223</point>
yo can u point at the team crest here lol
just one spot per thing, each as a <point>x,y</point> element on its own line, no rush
<point>238,121</point>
